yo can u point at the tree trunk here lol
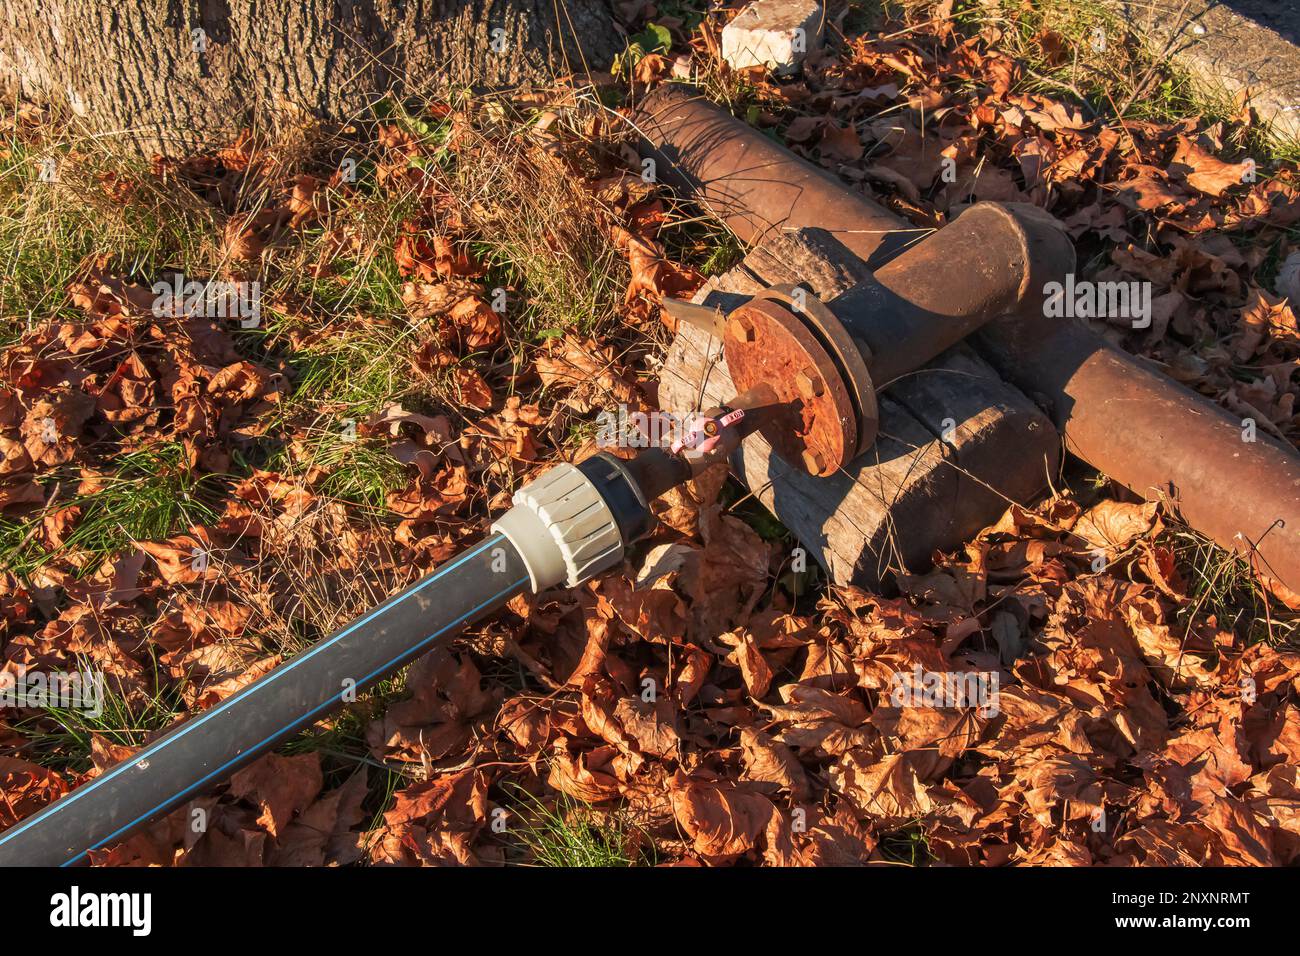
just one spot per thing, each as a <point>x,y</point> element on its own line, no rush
<point>169,74</point>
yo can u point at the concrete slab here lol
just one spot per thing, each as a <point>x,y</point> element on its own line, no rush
<point>1231,46</point>
<point>777,34</point>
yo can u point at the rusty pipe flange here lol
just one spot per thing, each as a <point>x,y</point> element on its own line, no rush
<point>813,423</point>
<point>851,356</point>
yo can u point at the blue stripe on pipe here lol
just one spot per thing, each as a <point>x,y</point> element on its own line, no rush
<point>310,714</point>
<point>71,798</point>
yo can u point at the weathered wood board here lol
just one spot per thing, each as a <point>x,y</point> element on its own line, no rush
<point>957,444</point>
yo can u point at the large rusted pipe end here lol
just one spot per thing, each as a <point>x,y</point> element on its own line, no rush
<point>1046,250</point>
<point>991,262</point>
<point>826,361</point>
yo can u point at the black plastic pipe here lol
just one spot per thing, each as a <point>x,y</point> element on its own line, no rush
<point>206,749</point>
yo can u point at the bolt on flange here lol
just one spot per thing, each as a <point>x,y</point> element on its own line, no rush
<point>740,328</point>
<point>809,383</point>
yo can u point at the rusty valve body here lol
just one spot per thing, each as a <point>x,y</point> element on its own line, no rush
<point>826,361</point>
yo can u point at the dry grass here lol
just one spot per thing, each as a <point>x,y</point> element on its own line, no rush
<point>342,337</point>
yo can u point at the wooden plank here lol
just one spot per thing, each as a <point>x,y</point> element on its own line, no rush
<point>956,445</point>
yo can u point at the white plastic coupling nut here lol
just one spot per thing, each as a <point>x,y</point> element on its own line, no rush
<point>562,528</point>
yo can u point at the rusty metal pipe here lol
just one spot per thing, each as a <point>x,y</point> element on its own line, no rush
<point>1161,440</point>
<point>754,184</point>
<point>1122,417</point>
<point>995,260</point>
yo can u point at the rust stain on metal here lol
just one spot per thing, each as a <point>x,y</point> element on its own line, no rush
<point>767,344</point>
<point>850,360</point>
<point>740,328</point>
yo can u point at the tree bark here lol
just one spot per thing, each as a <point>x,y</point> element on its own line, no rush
<point>170,74</point>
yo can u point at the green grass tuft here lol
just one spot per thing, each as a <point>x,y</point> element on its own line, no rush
<point>49,231</point>
<point>152,495</point>
<point>573,834</point>
<point>61,738</point>
<point>1220,585</point>
<point>908,845</point>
